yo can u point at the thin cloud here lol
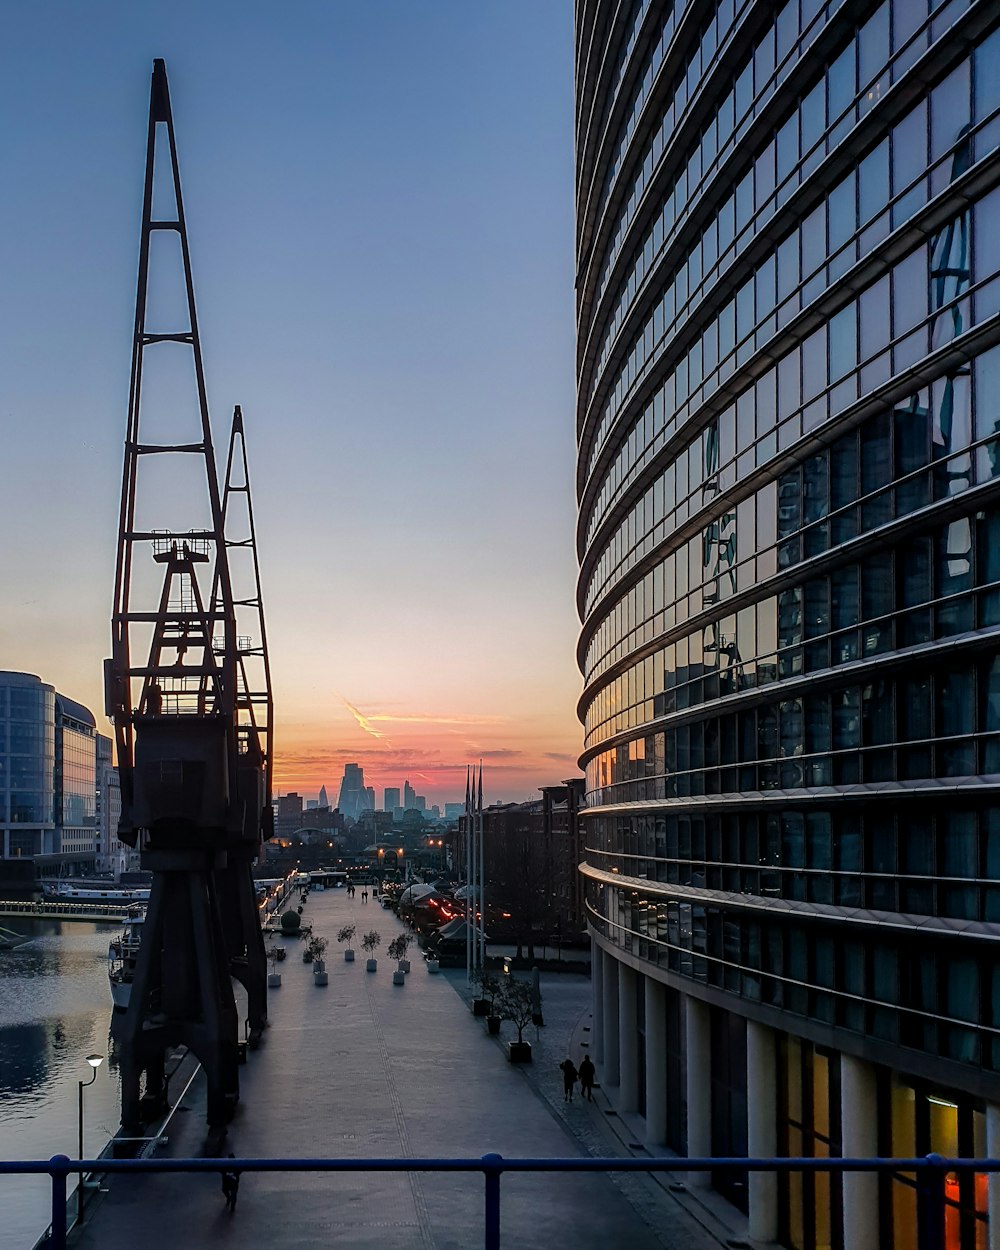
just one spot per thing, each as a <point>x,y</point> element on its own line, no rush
<point>363,721</point>
<point>421,719</point>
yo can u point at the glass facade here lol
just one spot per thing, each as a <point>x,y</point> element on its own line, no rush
<point>27,763</point>
<point>47,770</point>
<point>76,776</point>
<point>788,240</point>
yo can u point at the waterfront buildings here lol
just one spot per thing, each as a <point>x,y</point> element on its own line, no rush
<point>532,853</point>
<point>288,817</point>
<point>789,536</point>
<point>110,854</point>
<point>48,766</point>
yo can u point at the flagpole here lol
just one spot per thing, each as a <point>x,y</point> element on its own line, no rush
<point>482,877</point>
<point>468,879</point>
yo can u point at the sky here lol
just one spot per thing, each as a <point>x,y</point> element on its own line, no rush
<point>379,200</point>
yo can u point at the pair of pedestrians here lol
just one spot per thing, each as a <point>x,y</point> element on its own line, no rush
<point>571,1074</point>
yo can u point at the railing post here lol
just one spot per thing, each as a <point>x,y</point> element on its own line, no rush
<point>492,1167</point>
<point>930,1205</point>
<point>58,1175</point>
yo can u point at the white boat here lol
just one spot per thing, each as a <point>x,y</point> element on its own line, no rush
<point>112,894</point>
<point>123,951</point>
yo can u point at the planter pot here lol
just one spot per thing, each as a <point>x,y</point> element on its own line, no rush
<point>480,1007</point>
<point>280,953</point>
<point>404,965</point>
<point>399,977</point>
<point>349,956</point>
<point>321,978</point>
<point>493,1024</point>
<point>433,965</point>
<point>519,1052</point>
<point>371,965</point>
<point>319,965</point>
<point>273,980</point>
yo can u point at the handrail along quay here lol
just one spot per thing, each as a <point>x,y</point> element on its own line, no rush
<point>930,1171</point>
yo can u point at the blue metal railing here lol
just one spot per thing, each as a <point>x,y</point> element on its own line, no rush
<point>930,1172</point>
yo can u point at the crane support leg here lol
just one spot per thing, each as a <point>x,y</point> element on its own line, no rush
<point>182,994</point>
<point>244,939</point>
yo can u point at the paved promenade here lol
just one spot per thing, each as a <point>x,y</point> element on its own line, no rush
<point>362,1068</point>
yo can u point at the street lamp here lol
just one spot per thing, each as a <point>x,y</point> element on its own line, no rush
<point>95,1062</point>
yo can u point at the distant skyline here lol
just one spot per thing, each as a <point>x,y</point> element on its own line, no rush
<point>380,208</point>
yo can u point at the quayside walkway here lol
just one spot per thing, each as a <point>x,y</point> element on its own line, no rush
<point>364,1069</point>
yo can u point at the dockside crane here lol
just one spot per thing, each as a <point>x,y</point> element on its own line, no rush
<point>254,730</point>
<point>192,781</point>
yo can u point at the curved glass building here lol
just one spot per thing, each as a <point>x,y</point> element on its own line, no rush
<point>788,242</point>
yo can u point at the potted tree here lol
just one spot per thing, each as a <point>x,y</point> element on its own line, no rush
<point>404,939</point>
<point>433,963</point>
<point>517,1006</point>
<point>318,947</point>
<point>397,950</point>
<point>274,976</point>
<point>371,942</point>
<point>490,986</point>
<point>346,934</point>
<point>307,952</point>
<point>481,1002</point>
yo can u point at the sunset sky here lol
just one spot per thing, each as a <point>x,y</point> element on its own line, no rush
<point>379,203</point>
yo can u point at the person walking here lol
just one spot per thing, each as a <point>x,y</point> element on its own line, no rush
<point>570,1074</point>
<point>587,1072</point>
<point>364,894</point>
<point>230,1186</point>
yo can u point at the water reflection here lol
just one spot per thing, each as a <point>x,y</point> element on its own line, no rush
<point>55,1008</point>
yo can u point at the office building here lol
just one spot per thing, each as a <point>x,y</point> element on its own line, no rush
<point>409,797</point>
<point>355,799</point>
<point>390,799</point>
<point>111,855</point>
<point>48,776</point>
<point>788,281</point>
<point>531,858</point>
<point>27,778</point>
<point>288,818</point>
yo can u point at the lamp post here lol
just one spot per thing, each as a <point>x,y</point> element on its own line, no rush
<point>95,1062</point>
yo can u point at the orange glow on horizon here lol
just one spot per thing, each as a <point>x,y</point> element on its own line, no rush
<point>432,752</point>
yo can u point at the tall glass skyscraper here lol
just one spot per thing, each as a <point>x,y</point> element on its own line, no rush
<point>788,289</point>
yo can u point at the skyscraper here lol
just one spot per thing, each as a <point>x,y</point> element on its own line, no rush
<point>789,537</point>
<point>390,799</point>
<point>323,800</point>
<point>354,797</point>
<point>409,797</point>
